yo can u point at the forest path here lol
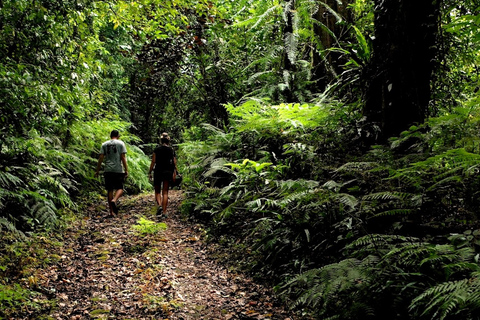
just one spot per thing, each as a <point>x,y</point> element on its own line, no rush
<point>107,271</point>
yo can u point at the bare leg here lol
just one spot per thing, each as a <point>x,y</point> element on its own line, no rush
<point>158,195</point>
<point>118,194</point>
<point>165,196</point>
<point>110,199</point>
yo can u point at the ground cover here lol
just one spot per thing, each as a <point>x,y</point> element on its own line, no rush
<point>137,266</point>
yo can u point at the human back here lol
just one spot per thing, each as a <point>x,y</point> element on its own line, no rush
<point>112,151</point>
<point>164,158</point>
<point>163,165</point>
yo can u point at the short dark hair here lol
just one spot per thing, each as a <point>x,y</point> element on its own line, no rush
<point>114,134</point>
<point>164,138</point>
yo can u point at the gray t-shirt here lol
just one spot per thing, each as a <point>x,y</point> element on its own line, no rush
<point>112,151</point>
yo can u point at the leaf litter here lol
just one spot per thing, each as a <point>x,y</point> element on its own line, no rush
<point>108,270</point>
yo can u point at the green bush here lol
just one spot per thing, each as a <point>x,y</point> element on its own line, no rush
<point>363,237</point>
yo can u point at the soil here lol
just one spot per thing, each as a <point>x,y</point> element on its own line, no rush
<point>108,270</point>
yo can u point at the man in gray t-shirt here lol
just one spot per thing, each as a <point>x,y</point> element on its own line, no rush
<point>113,153</point>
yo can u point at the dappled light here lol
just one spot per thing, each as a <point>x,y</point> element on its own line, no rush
<point>328,153</point>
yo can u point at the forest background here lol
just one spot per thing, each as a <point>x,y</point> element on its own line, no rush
<point>331,146</point>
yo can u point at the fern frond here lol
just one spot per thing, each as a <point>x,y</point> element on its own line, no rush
<point>258,19</point>
<point>273,54</point>
<point>346,199</point>
<point>258,75</point>
<point>291,44</point>
<point>449,298</point>
<point>446,165</point>
<point>449,256</point>
<point>321,287</point>
<point>409,253</point>
<point>294,197</point>
<point>213,129</point>
<point>287,185</point>
<point>331,11</point>
<point>8,226</point>
<point>407,179</point>
<point>379,241</point>
<point>388,195</point>
<point>45,213</point>
<point>446,182</point>
<point>218,165</point>
<point>200,205</point>
<point>395,212</point>
<point>358,166</point>
<point>333,185</point>
<point>8,180</point>
<point>226,213</point>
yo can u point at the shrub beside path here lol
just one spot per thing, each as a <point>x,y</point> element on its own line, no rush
<point>109,271</point>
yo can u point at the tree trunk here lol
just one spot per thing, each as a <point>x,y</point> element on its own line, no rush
<point>326,65</point>
<point>398,76</point>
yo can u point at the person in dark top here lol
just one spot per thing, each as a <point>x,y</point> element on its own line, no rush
<point>164,165</point>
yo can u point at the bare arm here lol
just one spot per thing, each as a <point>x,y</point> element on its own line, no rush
<point>124,162</point>
<point>152,165</point>
<point>99,164</point>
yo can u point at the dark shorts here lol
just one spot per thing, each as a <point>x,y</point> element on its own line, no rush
<point>161,176</point>
<point>114,180</point>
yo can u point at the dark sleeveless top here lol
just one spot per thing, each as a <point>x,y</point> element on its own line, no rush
<point>164,159</point>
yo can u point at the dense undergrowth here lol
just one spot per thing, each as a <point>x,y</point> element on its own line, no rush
<point>44,184</point>
<point>296,190</point>
<point>61,90</point>
<point>60,95</point>
<point>345,231</point>
<point>40,176</point>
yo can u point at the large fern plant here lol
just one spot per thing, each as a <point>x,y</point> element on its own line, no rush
<point>392,276</point>
<point>40,175</point>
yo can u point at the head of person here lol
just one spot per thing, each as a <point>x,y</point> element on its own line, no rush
<point>164,138</point>
<point>114,134</point>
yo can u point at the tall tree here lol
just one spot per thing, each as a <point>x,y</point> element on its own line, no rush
<point>330,29</point>
<point>400,71</point>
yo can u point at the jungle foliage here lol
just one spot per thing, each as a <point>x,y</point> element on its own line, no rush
<point>266,102</point>
<point>59,101</point>
<point>349,231</point>
<point>390,233</point>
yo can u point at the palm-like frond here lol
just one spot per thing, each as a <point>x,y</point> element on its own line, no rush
<point>7,226</point>
<point>8,180</point>
<point>444,168</point>
<point>372,243</point>
<point>358,166</point>
<point>388,195</point>
<point>450,299</point>
<point>320,288</point>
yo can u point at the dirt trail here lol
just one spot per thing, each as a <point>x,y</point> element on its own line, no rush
<point>109,272</point>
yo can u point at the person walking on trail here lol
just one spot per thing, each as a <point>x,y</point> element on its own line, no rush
<point>164,165</point>
<point>113,152</point>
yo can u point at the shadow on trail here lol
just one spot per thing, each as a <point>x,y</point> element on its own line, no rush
<point>110,271</point>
